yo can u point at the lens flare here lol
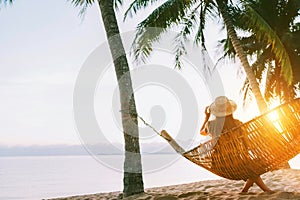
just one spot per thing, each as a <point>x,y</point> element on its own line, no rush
<point>275,119</point>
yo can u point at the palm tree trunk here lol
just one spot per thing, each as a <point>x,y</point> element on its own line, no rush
<point>268,77</point>
<point>132,180</point>
<point>241,54</point>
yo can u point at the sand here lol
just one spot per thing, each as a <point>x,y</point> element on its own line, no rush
<point>284,183</point>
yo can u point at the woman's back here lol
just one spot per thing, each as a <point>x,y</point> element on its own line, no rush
<point>221,124</point>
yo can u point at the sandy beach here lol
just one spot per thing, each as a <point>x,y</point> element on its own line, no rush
<point>284,183</point>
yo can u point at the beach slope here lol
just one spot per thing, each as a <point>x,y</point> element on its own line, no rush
<point>284,183</point>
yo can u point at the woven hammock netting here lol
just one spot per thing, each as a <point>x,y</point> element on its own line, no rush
<point>253,148</point>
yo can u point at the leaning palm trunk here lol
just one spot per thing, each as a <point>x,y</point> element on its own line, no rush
<point>133,181</point>
<point>242,56</point>
<point>268,77</point>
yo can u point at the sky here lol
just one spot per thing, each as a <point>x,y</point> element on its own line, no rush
<point>43,46</point>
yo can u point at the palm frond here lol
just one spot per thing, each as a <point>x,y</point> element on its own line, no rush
<point>83,4</point>
<point>137,5</point>
<point>200,33</point>
<point>264,31</point>
<point>249,45</point>
<point>5,2</point>
<point>245,91</point>
<point>187,25</point>
<point>262,59</point>
<point>227,48</point>
<point>180,49</point>
<point>270,88</point>
<point>118,3</point>
<point>205,8</point>
<point>171,12</point>
<point>157,23</point>
<point>143,41</point>
<point>276,86</point>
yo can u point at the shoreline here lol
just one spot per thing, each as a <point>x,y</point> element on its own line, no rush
<point>285,183</point>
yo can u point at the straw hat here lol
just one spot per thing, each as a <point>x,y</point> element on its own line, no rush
<point>222,107</point>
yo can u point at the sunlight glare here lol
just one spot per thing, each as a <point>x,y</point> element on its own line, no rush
<point>274,117</point>
<point>273,103</point>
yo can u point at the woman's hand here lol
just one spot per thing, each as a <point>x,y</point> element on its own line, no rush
<point>203,132</point>
<point>207,112</point>
<point>207,115</point>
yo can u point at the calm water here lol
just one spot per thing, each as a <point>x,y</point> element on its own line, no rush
<point>57,176</point>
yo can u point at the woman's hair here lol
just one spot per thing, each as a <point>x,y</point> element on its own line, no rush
<point>229,122</point>
<point>222,124</point>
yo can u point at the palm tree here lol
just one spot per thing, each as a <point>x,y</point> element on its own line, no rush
<point>280,17</point>
<point>223,9</point>
<point>190,15</point>
<point>5,2</point>
<point>133,180</point>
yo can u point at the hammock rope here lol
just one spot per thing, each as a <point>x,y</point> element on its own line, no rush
<point>251,149</point>
<point>162,134</point>
<point>142,119</point>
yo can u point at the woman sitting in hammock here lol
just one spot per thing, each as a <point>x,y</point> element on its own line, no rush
<point>222,108</point>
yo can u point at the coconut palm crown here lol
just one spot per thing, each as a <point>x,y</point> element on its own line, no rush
<point>280,18</point>
<point>190,16</point>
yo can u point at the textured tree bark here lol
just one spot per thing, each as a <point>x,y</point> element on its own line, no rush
<point>132,180</point>
<point>242,56</point>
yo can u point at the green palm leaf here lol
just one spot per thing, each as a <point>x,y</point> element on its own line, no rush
<point>263,31</point>
<point>137,5</point>
<point>5,2</point>
<point>151,29</point>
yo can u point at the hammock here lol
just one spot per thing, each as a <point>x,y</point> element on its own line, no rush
<point>251,149</point>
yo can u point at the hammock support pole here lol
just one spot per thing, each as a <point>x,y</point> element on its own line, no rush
<point>172,142</point>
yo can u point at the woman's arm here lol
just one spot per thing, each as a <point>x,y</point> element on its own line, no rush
<point>203,128</point>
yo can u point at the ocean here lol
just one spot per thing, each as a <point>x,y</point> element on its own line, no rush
<point>44,177</point>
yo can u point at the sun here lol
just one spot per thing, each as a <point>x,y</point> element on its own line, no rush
<point>274,116</point>
<point>275,119</point>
